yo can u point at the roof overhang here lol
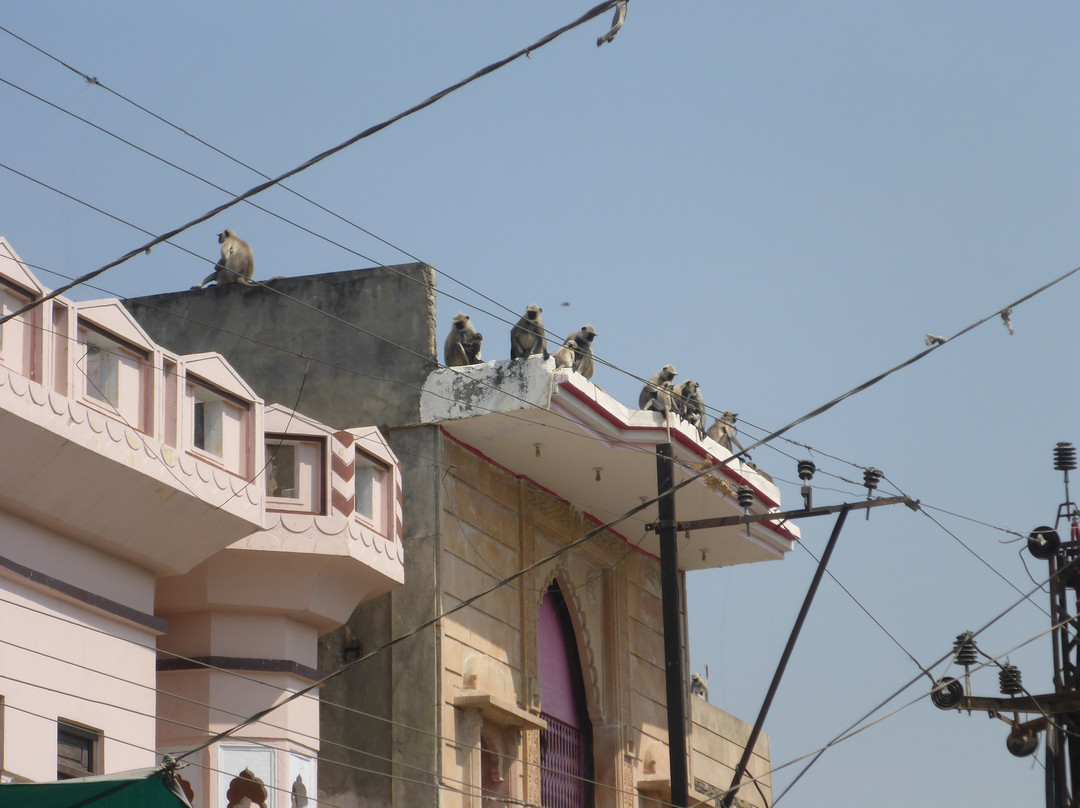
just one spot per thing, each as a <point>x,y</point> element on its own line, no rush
<point>566,435</point>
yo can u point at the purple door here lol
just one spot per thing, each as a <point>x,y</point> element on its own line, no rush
<point>565,746</point>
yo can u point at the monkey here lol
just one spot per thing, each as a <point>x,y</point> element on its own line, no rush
<point>723,431</point>
<point>528,336</point>
<point>236,265</point>
<point>462,346</point>
<point>699,685</point>
<point>690,404</point>
<point>576,352</point>
<point>564,356</point>
<point>665,374</point>
<point>472,349</point>
<point>661,400</point>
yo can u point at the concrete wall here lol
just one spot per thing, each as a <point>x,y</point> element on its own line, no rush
<point>370,334</point>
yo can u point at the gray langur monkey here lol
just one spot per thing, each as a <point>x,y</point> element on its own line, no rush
<point>723,431</point>
<point>472,349</point>
<point>699,685</point>
<point>665,374</point>
<point>576,352</point>
<point>690,404</point>
<point>662,399</point>
<point>528,337</point>
<point>462,346</point>
<point>236,265</point>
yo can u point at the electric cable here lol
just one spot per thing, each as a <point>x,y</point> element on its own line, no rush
<point>918,676</point>
<point>866,611</point>
<point>257,189</point>
<point>93,80</point>
<point>966,547</point>
<point>856,465</point>
<point>588,535</point>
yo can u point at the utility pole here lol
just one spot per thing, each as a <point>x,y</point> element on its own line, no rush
<point>667,528</point>
<point>1058,713</point>
<point>675,678</point>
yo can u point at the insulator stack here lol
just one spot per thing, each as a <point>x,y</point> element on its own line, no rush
<point>1064,456</point>
<point>871,478</point>
<point>964,652</point>
<point>1009,679</point>
<point>806,473</point>
<point>746,497</point>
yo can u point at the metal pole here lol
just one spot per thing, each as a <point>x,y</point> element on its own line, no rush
<point>740,770</point>
<point>673,653</point>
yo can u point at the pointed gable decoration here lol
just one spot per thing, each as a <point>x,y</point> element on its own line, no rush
<point>14,271</point>
<point>214,369</point>
<point>109,315</point>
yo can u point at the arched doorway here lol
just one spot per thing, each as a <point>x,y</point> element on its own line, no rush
<point>566,766</point>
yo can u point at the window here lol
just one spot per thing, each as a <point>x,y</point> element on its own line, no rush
<point>294,474</point>
<point>217,422</point>
<point>114,375</point>
<point>78,751</point>
<point>17,336</point>
<point>371,481</point>
<point>102,374</point>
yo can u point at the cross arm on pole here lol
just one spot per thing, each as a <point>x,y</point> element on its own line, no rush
<point>782,516</point>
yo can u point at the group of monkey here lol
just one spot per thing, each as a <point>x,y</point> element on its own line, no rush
<point>527,338</point>
<point>685,400</point>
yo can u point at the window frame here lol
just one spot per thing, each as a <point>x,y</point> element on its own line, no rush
<point>89,335</point>
<point>223,402</point>
<point>94,749</point>
<point>22,357</point>
<point>381,486</point>
<point>311,497</point>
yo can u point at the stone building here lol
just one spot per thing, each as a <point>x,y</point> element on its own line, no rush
<point>523,661</point>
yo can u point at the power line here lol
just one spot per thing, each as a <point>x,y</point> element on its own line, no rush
<point>226,711</point>
<point>918,676</point>
<point>588,15</point>
<point>93,80</point>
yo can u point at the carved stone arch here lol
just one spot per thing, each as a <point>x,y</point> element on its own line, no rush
<point>584,636</point>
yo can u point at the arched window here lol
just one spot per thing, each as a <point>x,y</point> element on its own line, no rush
<point>566,767</point>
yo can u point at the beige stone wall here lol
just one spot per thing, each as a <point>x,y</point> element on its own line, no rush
<point>718,740</point>
<point>493,525</point>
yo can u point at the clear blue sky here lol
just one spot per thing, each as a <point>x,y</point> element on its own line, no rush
<point>780,199</point>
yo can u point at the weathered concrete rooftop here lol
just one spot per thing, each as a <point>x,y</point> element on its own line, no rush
<point>566,435</point>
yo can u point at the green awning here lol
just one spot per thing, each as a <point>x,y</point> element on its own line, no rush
<point>126,790</point>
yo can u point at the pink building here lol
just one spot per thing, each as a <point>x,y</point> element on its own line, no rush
<point>171,549</point>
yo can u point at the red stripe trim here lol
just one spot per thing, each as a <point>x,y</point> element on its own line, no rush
<point>342,468</point>
<point>342,504</point>
<point>683,440</point>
